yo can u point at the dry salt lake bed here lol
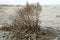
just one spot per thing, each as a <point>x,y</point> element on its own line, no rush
<point>50,17</point>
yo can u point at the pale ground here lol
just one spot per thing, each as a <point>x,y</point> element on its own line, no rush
<point>48,16</point>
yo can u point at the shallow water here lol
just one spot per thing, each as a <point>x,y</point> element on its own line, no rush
<point>49,17</point>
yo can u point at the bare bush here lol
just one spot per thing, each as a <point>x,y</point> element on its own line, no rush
<point>27,20</point>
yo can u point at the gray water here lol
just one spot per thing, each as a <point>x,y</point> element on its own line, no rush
<point>49,17</point>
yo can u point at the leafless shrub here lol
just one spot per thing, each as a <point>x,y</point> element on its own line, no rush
<point>26,21</point>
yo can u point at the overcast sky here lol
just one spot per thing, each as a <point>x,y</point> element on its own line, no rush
<point>22,2</point>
